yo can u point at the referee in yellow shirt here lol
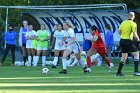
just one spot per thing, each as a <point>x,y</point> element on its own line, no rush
<point>128,31</point>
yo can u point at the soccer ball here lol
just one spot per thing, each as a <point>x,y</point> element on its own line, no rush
<point>18,63</point>
<point>45,71</point>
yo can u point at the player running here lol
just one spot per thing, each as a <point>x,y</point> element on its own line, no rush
<point>97,46</point>
<point>71,46</point>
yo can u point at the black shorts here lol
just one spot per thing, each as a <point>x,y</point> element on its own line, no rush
<point>23,44</point>
<point>127,46</point>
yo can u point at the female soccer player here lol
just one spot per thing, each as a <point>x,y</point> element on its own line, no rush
<point>30,35</point>
<point>71,46</point>
<point>58,37</point>
<point>42,37</point>
<point>22,39</point>
<point>97,47</point>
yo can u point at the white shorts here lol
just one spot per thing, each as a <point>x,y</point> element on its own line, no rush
<point>39,48</point>
<point>29,44</point>
<point>75,47</point>
<point>59,47</point>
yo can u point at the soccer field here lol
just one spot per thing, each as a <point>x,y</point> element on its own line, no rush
<point>31,80</point>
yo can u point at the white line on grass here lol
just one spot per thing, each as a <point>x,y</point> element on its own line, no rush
<point>65,84</point>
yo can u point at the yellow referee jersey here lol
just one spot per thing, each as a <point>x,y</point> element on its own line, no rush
<point>126,28</point>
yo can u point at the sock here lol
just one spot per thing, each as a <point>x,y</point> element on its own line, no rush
<point>70,61</point>
<point>36,61</point>
<point>88,61</point>
<point>99,61</point>
<point>34,58</point>
<point>120,67</point>
<point>43,60</point>
<point>29,60</point>
<point>24,59</point>
<point>64,63</point>
<point>136,63</point>
<point>107,61</point>
<point>55,61</point>
<point>75,62</point>
<point>82,63</point>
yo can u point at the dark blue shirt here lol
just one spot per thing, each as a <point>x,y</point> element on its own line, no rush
<point>10,37</point>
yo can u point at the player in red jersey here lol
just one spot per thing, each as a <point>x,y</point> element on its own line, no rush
<point>97,46</point>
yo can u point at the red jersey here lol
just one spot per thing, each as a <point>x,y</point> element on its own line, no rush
<point>99,42</point>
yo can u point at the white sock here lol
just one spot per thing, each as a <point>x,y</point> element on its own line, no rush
<point>55,61</point>
<point>70,61</point>
<point>75,62</point>
<point>64,63</point>
<point>43,60</point>
<point>34,58</point>
<point>99,61</point>
<point>36,61</point>
<point>82,63</point>
<point>29,60</point>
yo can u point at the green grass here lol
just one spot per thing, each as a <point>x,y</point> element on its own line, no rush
<point>31,80</point>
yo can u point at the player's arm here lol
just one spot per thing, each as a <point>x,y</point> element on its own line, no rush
<point>63,41</point>
<point>73,39</point>
<point>92,39</point>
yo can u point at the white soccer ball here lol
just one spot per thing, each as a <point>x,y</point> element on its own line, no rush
<point>45,71</point>
<point>18,63</point>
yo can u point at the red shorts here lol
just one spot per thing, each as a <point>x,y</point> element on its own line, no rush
<point>100,50</point>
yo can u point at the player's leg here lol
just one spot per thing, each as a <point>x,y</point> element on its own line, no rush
<point>64,61</point>
<point>29,56</point>
<point>123,60</point>
<point>33,52</point>
<point>24,53</point>
<point>13,54</point>
<point>90,52</point>
<point>39,50</point>
<point>5,53</point>
<point>136,63</point>
<point>56,54</point>
<point>43,56</point>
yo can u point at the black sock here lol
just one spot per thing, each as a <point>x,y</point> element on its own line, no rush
<point>120,67</point>
<point>24,59</point>
<point>136,62</point>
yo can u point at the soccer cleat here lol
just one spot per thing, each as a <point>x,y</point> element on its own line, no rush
<point>63,71</point>
<point>119,74</point>
<point>53,66</point>
<point>136,74</point>
<point>87,70</point>
<point>109,69</point>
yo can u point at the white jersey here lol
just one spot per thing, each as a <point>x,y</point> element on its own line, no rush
<point>69,34</point>
<point>59,37</point>
<point>75,47</point>
<point>29,41</point>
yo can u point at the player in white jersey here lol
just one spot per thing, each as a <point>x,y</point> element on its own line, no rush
<point>30,35</point>
<point>58,49</point>
<point>71,46</point>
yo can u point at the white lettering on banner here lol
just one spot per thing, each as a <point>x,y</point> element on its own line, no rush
<point>83,20</point>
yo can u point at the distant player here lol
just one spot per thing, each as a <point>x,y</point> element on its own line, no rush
<point>30,35</point>
<point>98,46</point>
<point>42,38</point>
<point>22,39</point>
<point>59,48</point>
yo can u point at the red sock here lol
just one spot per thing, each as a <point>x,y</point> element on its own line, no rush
<point>107,61</point>
<point>88,61</point>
